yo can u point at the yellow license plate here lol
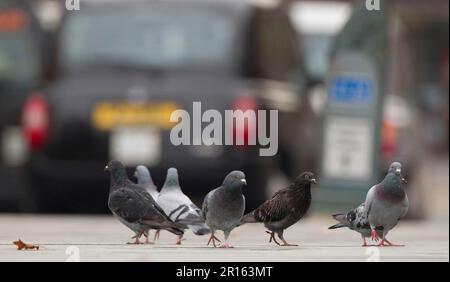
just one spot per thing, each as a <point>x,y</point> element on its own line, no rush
<point>108,115</point>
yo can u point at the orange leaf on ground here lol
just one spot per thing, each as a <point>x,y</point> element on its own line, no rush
<point>24,246</point>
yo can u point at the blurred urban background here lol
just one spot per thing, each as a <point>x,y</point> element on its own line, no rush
<point>355,88</point>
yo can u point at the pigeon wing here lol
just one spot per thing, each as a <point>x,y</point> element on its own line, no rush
<point>273,209</point>
<point>405,206</point>
<point>127,204</point>
<point>359,218</point>
<point>369,199</point>
<point>146,197</point>
<point>205,205</point>
<point>135,205</point>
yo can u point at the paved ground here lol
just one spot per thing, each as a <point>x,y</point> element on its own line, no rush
<point>101,238</point>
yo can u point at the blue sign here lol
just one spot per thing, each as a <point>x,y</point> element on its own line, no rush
<point>351,90</point>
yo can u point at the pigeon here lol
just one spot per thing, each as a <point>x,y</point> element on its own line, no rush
<point>356,220</point>
<point>178,206</point>
<point>285,208</point>
<point>145,180</point>
<point>224,207</point>
<point>134,207</point>
<point>386,203</point>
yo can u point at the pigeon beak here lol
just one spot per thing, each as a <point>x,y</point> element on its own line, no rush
<point>314,181</point>
<point>244,181</point>
<point>106,168</point>
<point>404,181</point>
<point>398,171</point>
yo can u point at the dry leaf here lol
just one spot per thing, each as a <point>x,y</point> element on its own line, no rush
<point>24,246</point>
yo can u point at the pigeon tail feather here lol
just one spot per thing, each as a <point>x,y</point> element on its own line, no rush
<point>249,218</point>
<point>200,229</point>
<point>338,225</point>
<point>164,224</point>
<point>340,217</point>
<point>343,222</point>
<point>191,219</point>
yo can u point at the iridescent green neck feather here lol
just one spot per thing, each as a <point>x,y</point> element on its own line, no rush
<point>392,182</point>
<point>119,176</point>
<point>172,178</point>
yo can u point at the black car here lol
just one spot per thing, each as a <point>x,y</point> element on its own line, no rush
<point>126,65</point>
<point>21,72</point>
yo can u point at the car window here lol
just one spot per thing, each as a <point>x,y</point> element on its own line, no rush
<point>149,36</point>
<point>19,54</point>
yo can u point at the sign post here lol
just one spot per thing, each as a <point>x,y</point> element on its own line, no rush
<point>350,132</point>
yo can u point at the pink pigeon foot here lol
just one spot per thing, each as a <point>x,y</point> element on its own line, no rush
<point>136,241</point>
<point>272,237</point>
<point>213,239</point>
<point>179,239</point>
<point>156,235</point>
<point>226,246</point>
<point>286,244</point>
<point>374,236</point>
<point>386,243</point>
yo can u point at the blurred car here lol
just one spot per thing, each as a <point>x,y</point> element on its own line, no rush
<point>126,65</point>
<point>20,73</point>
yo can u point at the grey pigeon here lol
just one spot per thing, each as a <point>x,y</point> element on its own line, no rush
<point>178,206</point>
<point>386,203</point>
<point>285,208</point>
<point>133,206</point>
<point>356,220</point>
<point>145,180</point>
<point>224,206</point>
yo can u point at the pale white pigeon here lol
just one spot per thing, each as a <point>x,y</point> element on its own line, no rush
<point>178,206</point>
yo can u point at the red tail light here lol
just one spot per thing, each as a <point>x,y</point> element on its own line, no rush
<point>389,139</point>
<point>35,121</point>
<point>246,128</point>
